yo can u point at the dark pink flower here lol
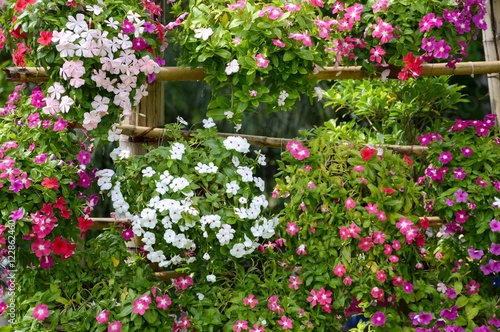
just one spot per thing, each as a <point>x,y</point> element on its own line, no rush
<point>41,312</point>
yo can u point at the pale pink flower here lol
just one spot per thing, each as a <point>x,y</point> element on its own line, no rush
<point>261,61</point>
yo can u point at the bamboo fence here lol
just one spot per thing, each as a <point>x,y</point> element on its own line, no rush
<point>38,75</point>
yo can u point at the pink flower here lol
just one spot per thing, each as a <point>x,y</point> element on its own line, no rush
<point>291,7</point>
<point>379,237</point>
<point>359,168</point>
<point>257,328</point>
<point>303,36</point>
<point>381,276</point>
<point>250,301</point>
<point>239,4</point>
<point>103,316</point>
<point>41,247</point>
<point>272,12</point>
<point>278,43</point>
<point>252,93</point>
<point>41,312</point>
<point>240,325</point>
<point>301,250</point>
<point>376,54</point>
<point>383,31</point>
<point>339,270</point>
<point>350,204</point>
<point>371,208</point>
<point>366,243</point>
<point>127,26</point>
<point>430,21</point>
<point>115,326</point>
<point>163,302</point>
<point>377,293</point>
<point>295,282</point>
<point>261,61</point>
<point>140,307</point>
<point>183,283</point>
<point>286,323</point>
<point>347,281</point>
<point>292,228</point>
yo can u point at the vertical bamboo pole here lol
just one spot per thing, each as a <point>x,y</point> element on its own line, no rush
<point>491,43</point>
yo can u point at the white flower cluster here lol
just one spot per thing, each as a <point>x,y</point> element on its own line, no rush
<point>119,69</point>
<point>172,206</point>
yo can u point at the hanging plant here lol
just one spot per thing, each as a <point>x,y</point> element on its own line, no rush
<point>99,59</point>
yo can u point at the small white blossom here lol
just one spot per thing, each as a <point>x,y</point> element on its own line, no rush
<point>169,236</point>
<point>238,250</point>
<point>208,123</point>
<point>148,172</point>
<point>181,121</point>
<point>211,278</point>
<point>119,153</point>
<point>178,184</point>
<point>225,234</point>
<point>206,256</point>
<point>231,68</point>
<point>259,183</point>
<point>203,33</point>
<point>229,114</point>
<point>149,238</point>
<point>200,296</point>
<point>246,173</point>
<point>232,187</point>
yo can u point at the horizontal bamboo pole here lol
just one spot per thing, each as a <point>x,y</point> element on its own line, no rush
<point>38,75</point>
<point>272,142</point>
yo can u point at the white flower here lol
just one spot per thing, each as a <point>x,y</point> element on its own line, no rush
<point>231,68</point>
<point>319,92</point>
<point>232,187</point>
<point>111,23</point>
<point>77,25</point>
<point>242,200</point>
<point>225,234</point>
<point>241,212</point>
<point>201,168</point>
<point>208,123</point>
<point>261,160</point>
<point>166,178</point>
<point>177,150</point>
<point>149,238</point>
<point>161,188</point>
<point>175,214</point>
<point>56,90</point>
<point>156,256</point>
<point>441,287</point>
<point>238,250</point>
<point>153,202</point>
<point>104,183</point>
<point>119,153</point>
<point>228,114</point>
<point>100,104</point>
<point>211,278</point>
<point>246,173</point>
<point>237,127</point>
<point>94,9</point>
<point>169,236</point>
<point>253,212</point>
<point>200,296</point>
<point>180,241</point>
<point>206,256</point>
<point>235,161</point>
<point>178,184</point>
<point>114,134</point>
<point>105,172</point>
<point>203,33</point>
<point>212,168</point>
<point>148,172</point>
<point>236,143</point>
<point>65,104</point>
<point>181,121</point>
<point>259,183</point>
<point>496,203</point>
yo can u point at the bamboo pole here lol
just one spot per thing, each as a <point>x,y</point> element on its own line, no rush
<point>264,141</point>
<point>491,44</point>
<point>37,75</point>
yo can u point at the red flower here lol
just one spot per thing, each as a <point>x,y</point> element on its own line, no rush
<point>18,56</point>
<point>408,160</point>
<point>50,183</point>
<point>45,38</point>
<point>424,223</point>
<point>368,153</point>
<point>84,223</point>
<point>413,67</point>
<point>22,4</point>
<point>388,191</point>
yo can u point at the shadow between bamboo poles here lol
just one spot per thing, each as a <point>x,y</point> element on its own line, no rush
<point>38,75</point>
<point>263,141</point>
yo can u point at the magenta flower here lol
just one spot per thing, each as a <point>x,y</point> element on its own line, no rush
<point>458,173</point>
<point>115,326</point>
<point>495,249</point>
<point>445,157</point>
<point>451,293</point>
<point>472,287</point>
<point>467,152</point>
<point>461,196</point>
<point>41,312</point>
<point>257,328</point>
<point>127,26</point>
<point>17,214</point>
<point>408,287</point>
<point>83,157</point>
<point>127,234</point>
<point>495,226</point>
<point>103,316</point>
<point>383,31</point>
<point>371,208</point>
<point>475,254</point>
<point>40,159</point>
<point>378,318</point>
<point>139,44</point>
<point>301,249</point>
<point>450,314</point>
<point>430,21</point>
<point>359,168</point>
<point>60,124</point>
